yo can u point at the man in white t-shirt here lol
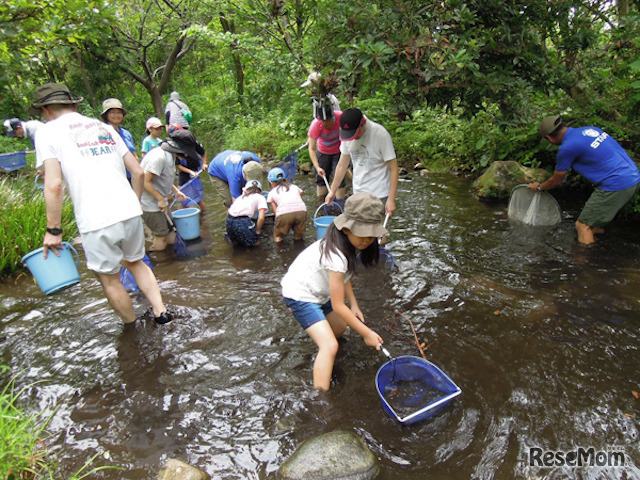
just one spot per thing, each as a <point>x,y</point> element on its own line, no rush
<point>14,127</point>
<point>159,175</point>
<point>90,158</point>
<point>369,147</point>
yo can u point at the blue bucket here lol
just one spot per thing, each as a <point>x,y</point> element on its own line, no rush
<point>321,224</point>
<point>187,222</point>
<point>55,273</point>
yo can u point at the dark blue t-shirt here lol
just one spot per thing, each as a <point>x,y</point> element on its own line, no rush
<point>227,166</point>
<point>598,157</point>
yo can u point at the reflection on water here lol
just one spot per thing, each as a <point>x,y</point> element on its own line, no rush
<point>540,334</point>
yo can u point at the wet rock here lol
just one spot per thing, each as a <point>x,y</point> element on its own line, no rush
<point>335,455</point>
<point>501,177</point>
<point>305,167</point>
<point>178,470</point>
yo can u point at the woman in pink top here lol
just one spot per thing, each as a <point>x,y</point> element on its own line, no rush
<point>324,137</point>
<point>288,207</point>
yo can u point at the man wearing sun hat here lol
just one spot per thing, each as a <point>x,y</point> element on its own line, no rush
<point>369,147</point>
<point>90,158</point>
<point>600,159</point>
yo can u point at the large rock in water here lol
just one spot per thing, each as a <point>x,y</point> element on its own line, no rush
<point>335,455</point>
<point>501,177</point>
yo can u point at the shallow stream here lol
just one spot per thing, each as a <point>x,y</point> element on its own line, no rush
<point>541,335</point>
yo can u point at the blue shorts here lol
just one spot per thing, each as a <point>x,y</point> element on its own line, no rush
<point>308,313</point>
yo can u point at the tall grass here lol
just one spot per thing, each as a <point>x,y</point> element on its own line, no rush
<point>23,220</point>
<point>23,455</point>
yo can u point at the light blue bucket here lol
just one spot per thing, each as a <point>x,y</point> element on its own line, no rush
<point>187,222</point>
<point>55,273</point>
<point>321,224</point>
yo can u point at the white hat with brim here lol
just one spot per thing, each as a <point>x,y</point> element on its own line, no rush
<point>363,216</point>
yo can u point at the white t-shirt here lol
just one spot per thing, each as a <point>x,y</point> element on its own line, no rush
<point>369,155</point>
<point>287,201</point>
<point>308,277</point>
<point>91,157</point>
<point>161,164</point>
<point>248,205</point>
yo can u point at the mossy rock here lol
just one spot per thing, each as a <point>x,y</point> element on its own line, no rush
<point>338,455</point>
<point>501,177</point>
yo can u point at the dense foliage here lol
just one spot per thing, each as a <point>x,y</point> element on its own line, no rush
<point>459,83</point>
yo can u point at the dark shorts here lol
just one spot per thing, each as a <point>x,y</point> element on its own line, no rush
<point>241,231</point>
<point>157,223</point>
<point>328,163</point>
<point>294,220</point>
<point>603,206</point>
<point>308,313</point>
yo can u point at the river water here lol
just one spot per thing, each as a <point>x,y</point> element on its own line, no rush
<point>541,335</point>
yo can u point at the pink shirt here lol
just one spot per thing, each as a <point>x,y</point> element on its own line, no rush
<point>328,140</point>
<point>248,205</point>
<point>287,201</point>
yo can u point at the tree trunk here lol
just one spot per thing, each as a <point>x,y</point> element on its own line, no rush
<point>85,80</point>
<point>237,63</point>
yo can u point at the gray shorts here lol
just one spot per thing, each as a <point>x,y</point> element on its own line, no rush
<point>107,247</point>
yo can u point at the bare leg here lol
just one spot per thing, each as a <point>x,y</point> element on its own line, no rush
<point>117,295</point>
<point>585,233</point>
<point>147,284</point>
<point>341,193</point>
<point>321,191</point>
<point>322,334</point>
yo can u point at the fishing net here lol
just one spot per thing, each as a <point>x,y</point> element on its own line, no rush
<point>538,209</point>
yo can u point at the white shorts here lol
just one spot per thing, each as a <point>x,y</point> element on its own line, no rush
<point>107,247</point>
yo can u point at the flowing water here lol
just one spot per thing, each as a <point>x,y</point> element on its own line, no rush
<point>541,335</point>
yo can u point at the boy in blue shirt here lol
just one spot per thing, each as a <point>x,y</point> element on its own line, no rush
<point>600,159</point>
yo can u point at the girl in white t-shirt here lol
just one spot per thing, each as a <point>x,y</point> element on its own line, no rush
<point>319,281</point>
<point>241,229</point>
<point>289,209</point>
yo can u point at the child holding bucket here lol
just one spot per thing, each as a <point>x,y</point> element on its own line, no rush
<point>240,227</point>
<point>319,281</point>
<point>289,209</point>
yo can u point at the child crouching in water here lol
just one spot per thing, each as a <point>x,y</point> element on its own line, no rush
<point>289,209</point>
<point>319,281</point>
<point>240,227</point>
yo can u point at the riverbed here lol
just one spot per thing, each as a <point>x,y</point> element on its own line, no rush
<point>541,334</point>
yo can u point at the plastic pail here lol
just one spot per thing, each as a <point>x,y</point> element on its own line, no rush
<point>187,222</point>
<point>321,224</point>
<point>55,273</point>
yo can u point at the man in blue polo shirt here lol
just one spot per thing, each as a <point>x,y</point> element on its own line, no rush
<point>600,159</point>
<point>230,170</point>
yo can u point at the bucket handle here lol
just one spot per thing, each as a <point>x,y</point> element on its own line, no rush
<point>74,252</point>
<point>39,186</point>
<point>315,215</point>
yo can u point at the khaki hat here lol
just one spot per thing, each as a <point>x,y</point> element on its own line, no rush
<point>110,103</point>
<point>549,125</point>
<point>252,171</point>
<point>50,94</point>
<point>363,216</point>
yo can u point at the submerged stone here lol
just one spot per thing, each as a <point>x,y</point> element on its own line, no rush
<point>335,455</point>
<point>177,470</point>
